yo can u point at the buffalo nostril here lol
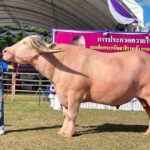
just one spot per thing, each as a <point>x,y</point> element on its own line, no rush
<point>4,51</point>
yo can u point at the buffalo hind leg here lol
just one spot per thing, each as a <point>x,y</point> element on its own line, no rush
<point>146,107</point>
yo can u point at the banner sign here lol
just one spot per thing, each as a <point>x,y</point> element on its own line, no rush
<point>106,41</point>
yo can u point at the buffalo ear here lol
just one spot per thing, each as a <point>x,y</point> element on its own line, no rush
<point>52,45</point>
<point>52,48</point>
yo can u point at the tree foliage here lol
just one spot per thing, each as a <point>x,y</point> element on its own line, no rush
<point>9,39</point>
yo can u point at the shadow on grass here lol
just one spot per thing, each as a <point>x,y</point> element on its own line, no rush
<point>33,129</point>
<point>108,127</point>
<point>8,125</point>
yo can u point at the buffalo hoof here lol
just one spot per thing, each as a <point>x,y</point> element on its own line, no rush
<point>69,135</point>
<point>61,131</point>
<point>147,132</point>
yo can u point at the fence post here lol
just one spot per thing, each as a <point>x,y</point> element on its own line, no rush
<point>40,89</point>
<point>13,87</point>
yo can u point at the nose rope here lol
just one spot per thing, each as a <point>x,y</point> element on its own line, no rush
<point>22,58</point>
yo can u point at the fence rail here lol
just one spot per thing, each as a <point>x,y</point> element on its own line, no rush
<point>26,83</point>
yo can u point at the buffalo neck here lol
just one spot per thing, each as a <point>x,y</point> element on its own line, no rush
<point>47,63</point>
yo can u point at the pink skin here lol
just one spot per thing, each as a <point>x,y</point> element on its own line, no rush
<point>82,75</point>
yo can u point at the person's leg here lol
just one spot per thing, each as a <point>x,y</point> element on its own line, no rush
<point>2,131</point>
<point>57,105</point>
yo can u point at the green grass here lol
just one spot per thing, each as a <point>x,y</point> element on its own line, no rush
<point>32,127</point>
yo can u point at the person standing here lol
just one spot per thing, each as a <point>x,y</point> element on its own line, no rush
<point>3,67</point>
<point>54,98</point>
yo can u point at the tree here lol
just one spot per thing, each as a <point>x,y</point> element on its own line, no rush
<point>9,39</point>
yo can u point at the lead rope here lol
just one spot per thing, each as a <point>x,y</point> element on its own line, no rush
<point>13,81</point>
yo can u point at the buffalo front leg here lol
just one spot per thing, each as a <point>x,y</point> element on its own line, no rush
<point>147,109</point>
<point>71,115</point>
<point>65,123</point>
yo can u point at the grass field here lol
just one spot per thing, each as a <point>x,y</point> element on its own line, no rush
<point>32,127</point>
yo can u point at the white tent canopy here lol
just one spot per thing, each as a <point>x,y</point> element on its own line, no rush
<point>136,9</point>
<point>126,11</point>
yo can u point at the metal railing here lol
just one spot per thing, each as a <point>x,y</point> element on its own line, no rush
<point>26,83</point>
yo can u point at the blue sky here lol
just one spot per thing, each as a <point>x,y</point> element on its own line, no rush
<point>146,8</point>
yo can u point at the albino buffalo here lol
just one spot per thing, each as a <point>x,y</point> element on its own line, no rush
<point>84,75</point>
